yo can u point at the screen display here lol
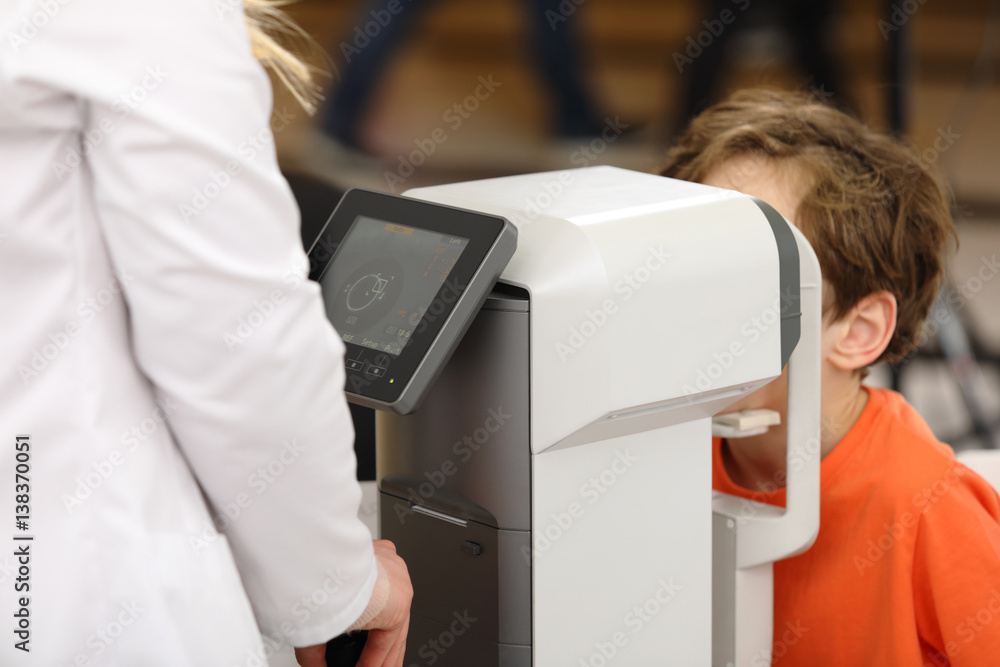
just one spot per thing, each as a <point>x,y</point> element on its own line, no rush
<point>384,279</point>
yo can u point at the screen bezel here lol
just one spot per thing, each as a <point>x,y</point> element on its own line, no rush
<point>482,230</point>
<point>366,225</point>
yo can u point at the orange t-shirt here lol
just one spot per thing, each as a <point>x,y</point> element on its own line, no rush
<point>906,568</point>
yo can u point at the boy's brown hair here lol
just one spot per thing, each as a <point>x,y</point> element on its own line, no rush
<point>876,215</point>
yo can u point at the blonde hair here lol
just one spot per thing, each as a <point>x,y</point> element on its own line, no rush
<point>266,22</point>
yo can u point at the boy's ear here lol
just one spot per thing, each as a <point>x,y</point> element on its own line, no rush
<point>863,334</point>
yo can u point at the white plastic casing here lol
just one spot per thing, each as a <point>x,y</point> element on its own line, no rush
<point>654,305</point>
<point>640,288</point>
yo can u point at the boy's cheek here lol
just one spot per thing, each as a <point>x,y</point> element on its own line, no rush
<point>772,396</point>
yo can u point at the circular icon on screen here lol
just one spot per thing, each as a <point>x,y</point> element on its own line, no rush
<point>367,290</point>
<point>368,294</point>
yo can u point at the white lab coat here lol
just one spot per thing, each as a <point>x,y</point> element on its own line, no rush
<point>158,335</point>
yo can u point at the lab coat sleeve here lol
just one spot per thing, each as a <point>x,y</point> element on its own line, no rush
<point>203,231</point>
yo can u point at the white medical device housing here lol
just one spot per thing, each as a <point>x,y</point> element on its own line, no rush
<point>552,496</point>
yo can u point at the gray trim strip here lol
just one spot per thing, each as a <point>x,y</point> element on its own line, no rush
<point>788,280</point>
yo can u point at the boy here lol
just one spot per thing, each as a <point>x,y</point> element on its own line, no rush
<point>906,567</point>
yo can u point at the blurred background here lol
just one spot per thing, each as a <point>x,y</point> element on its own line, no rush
<point>423,92</point>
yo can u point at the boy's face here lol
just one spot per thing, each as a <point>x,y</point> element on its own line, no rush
<point>778,187</point>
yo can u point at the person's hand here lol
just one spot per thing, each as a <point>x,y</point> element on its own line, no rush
<point>311,656</point>
<point>387,631</point>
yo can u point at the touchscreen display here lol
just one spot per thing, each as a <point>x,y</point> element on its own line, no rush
<point>384,279</point>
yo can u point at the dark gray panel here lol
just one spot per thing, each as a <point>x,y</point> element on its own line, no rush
<point>463,567</point>
<point>514,565</point>
<point>450,475</point>
<point>443,646</point>
<point>515,655</point>
<point>448,579</point>
<point>788,280</point>
<point>470,437</point>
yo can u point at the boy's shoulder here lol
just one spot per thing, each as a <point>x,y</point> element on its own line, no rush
<point>905,463</point>
<point>897,426</point>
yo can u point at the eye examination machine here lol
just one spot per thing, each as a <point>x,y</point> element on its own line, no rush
<point>547,354</point>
